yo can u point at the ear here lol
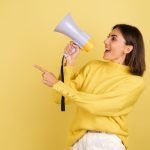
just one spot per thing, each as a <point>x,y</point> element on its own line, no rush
<point>128,49</point>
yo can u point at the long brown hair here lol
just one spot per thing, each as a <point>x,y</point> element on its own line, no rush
<point>136,58</point>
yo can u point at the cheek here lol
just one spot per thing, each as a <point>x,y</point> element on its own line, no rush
<point>117,50</point>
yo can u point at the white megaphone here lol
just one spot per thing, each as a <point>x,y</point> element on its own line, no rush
<point>82,39</point>
<point>69,28</point>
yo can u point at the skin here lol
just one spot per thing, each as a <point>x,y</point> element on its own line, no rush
<point>49,78</point>
<point>115,50</point>
<point>118,50</point>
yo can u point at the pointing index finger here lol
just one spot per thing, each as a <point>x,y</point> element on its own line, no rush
<point>40,68</point>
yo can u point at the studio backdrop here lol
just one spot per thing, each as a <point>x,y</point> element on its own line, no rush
<point>29,118</point>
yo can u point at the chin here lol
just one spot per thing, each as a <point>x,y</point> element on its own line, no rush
<point>106,58</point>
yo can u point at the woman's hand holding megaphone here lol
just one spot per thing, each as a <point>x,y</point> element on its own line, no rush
<point>71,52</point>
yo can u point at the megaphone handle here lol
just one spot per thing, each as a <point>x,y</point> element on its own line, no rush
<point>72,52</point>
<point>62,79</point>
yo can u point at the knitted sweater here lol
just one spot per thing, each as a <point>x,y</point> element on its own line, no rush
<point>104,93</point>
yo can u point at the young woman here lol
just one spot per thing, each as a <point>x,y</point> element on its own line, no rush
<point>103,91</point>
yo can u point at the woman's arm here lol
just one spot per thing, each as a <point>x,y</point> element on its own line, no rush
<point>117,102</point>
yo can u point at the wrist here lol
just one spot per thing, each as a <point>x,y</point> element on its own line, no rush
<point>70,62</point>
<point>55,82</point>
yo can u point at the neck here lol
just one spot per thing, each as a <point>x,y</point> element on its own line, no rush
<point>120,61</point>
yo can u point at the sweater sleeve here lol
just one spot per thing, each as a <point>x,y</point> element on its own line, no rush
<point>117,102</point>
<point>73,80</point>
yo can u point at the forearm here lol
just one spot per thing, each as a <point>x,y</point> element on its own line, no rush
<point>114,103</point>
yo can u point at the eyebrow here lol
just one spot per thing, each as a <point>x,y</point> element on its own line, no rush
<point>113,35</point>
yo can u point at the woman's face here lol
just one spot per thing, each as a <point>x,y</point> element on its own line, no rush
<point>115,47</point>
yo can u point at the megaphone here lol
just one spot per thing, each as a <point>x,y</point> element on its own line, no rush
<point>68,27</point>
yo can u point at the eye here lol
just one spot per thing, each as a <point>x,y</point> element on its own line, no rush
<point>113,38</point>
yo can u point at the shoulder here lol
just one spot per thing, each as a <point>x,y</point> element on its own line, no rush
<point>135,81</point>
<point>136,78</point>
<point>96,63</point>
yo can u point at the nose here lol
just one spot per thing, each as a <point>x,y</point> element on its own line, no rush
<point>106,41</point>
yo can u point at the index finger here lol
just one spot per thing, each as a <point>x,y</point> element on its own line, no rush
<point>40,68</point>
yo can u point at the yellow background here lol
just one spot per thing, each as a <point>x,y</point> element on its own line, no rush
<point>29,119</point>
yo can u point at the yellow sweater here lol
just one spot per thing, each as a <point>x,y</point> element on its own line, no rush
<point>104,93</point>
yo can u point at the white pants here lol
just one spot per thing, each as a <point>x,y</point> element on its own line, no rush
<point>98,141</point>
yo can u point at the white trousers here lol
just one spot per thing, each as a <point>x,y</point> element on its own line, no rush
<point>99,141</point>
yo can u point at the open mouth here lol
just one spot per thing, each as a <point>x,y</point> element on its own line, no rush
<point>107,50</point>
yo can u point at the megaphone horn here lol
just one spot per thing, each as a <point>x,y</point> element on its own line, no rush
<point>68,27</point>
